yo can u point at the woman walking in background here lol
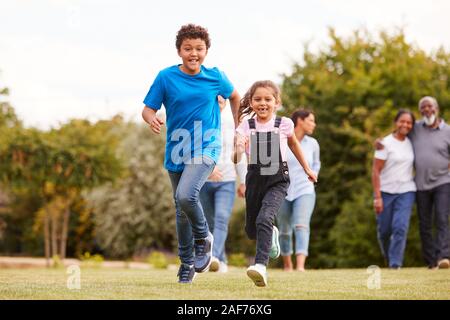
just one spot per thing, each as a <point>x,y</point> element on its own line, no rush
<point>394,189</point>
<point>296,210</point>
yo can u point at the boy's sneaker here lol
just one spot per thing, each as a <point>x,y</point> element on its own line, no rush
<point>258,274</point>
<point>215,264</point>
<point>275,249</point>
<point>186,273</point>
<point>203,253</point>
<point>444,264</point>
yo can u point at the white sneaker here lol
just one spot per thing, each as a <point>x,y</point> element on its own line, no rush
<point>215,264</point>
<point>275,250</point>
<point>223,267</point>
<point>258,274</point>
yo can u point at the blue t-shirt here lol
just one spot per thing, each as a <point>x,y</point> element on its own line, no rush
<point>193,113</point>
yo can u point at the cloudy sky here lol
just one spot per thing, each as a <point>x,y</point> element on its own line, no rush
<point>95,58</point>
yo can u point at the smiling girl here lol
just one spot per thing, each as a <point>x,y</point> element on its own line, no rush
<point>265,139</point>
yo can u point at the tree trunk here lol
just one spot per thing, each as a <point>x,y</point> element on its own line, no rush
<point>47,238</point>
<point>54,234</point>
<point>65,230</point>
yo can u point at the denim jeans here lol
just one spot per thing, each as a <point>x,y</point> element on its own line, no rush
<point>217,201</point>
<point>393,225</point>
<point>296,216</point>
<point>438,198</point>
<point>190,219</point>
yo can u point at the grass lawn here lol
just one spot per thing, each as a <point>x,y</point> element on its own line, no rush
<point>38,283</point>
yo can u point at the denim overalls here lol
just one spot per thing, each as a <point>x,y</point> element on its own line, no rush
<point>267,183</point>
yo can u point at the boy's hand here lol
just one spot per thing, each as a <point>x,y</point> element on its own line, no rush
<point>156,125</point>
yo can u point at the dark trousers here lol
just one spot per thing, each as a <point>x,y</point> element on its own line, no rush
<point>264,195</point>
<point>434,204</point>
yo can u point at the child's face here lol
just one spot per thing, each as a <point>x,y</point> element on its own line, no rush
<point>264,103</point>
<point>192,53</point>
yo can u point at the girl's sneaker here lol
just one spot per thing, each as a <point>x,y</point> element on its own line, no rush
<point>275,249</point>
<point>258,274</point>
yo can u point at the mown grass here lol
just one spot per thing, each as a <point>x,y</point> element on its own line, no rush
<point>410,283</point>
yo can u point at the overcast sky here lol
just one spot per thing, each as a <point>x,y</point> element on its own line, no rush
<point>95,58</point>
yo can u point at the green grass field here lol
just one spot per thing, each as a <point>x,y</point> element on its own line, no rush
<point>103,283</point>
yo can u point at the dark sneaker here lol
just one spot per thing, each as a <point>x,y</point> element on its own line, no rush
<point>186,273</point>
<point>203,253</point>
<point>275,249</point>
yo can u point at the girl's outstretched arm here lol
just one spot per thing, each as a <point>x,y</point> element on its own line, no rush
<point>296,149</point>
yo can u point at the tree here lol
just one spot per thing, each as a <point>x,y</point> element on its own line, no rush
<point>137,213</point>
<point>355,86</point>
<point>57,165</point>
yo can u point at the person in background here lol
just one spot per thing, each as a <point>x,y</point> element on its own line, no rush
<point>394,189</point>
<point>218,193</point>
<point>296,210</point>
<point>431,142</point>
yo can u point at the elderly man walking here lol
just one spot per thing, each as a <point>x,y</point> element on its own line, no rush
<point>431,142</point>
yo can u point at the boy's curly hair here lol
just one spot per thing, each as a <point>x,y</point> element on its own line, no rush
<point>192,31</point>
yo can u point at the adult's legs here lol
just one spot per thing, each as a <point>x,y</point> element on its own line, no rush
<point>223,203</point>
<point>303,208</point>
<point>442,207</point>
<point>425,211</point>
<point>384,223</point>
<point>401,215</point>
<point>284,220</point>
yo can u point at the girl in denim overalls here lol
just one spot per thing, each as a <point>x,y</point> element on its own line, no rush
<point>265,140</point>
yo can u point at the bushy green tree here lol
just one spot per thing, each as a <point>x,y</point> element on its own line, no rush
<point>355,86</point>
<point>137,213</point>
<point>56,166</point>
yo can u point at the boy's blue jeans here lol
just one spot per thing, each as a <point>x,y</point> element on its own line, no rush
<point>393,224</point>
<point>296,215</point>
<point>190,220</point>
<point>217,200</point>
